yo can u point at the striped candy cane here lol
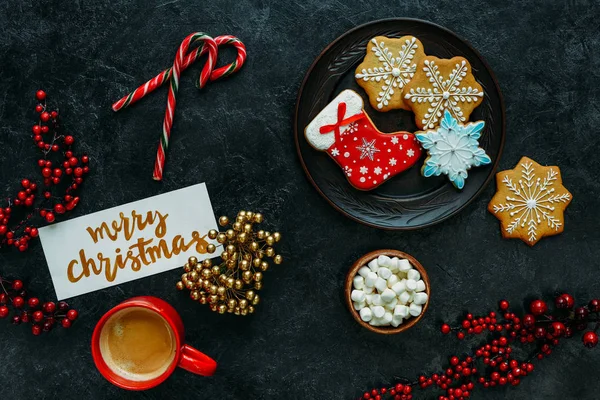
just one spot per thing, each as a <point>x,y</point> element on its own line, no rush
<point>182,61</point>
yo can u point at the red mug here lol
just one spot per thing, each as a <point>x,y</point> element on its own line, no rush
<point>186,356</point>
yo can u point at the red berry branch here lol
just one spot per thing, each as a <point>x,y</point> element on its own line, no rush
<point>62,175</point>
<point>494,363</point>
<point>42,317</point>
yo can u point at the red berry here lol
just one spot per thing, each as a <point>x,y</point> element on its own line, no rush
<point>33,302</point>
<point>570,300</point>
<point>36,129</point>
<point>45,129</point>
<point>18,301</point>
<point>16,320</point>
<point>47,326</point>
<point>36,330</point>
<point>73,161</point>
<point>45,116</point>
<point>504,305</point>
<point>54,114</point>
<point>85,159</point>
<point>38,316</point>
<point>72,315</point>
<point>29,201</point>
<point>54,147</point>
<point>4,312</point>
<point>594,305</point>
<point>34,232</point>
<point>460,335</point>
<point>17,285</point>
<point>59,209</point>
<point>581,313</point>
<point>528,320</point>
<point>558,329</point>
<point>69,140</point>
<point>3,230</point>
<point>50,217</point>
<point>46,172</point>
<point>39,108</point>
<point>49,307</point>
<point>66,323</point>
<point>538,307</point>
<point>40,95</point>
<point>540,332</point>
<point>78,171</point>
<point>590,339</point>
<point>63,306</point>
<point>47,195</point>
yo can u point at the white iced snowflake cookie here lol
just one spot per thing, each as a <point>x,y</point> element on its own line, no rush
<point>530,201</point>
<point>389,64</point>
<point>439,85</point>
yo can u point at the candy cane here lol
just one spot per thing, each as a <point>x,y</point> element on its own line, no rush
<point>182,61</point>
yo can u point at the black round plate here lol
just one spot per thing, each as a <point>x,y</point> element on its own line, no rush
<point>408,200</point>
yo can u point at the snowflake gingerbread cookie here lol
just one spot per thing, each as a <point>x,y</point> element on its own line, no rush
<point>530,201</point>
<point>388,66</point>
<point>453,148</point>
<point>367,156</point>
<point>439,85</point>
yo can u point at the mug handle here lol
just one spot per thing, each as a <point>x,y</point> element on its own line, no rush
<point>196,362</point>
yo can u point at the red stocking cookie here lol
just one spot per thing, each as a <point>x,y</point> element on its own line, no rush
<point>367,156</point>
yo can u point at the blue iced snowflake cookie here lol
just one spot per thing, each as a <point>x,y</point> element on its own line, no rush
<point>453,148</point>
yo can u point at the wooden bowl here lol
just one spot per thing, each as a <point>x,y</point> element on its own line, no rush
<point>364,260</point>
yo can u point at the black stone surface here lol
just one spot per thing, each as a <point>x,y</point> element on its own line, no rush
<point>236,135</point>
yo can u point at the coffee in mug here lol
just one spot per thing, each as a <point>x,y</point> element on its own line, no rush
<point>138,344</point>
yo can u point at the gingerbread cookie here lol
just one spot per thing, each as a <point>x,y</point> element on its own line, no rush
<point>453,148</point>
<point>530,201</point>
<point>367,156</point>
<point>439,85</point>
<point>387,67</point>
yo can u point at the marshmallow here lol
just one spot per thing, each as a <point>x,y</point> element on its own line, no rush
<point>373,265</point>
<point>404,297</point>
<point>369,298</point>
<point>381,284</point>
<point>413,274</point>
<point>392,280</point>
<point>383,261</point>
<point>359,305</point>
<point>357,295</point>
<point>387,318</point>
<point>359,282</point>
<point>404,265</point>
<point>368,290</point>
<point>411,296</point>
<point>411,284</point>
<point>384,273</point>
<point>376,300</point>
<point>388,295</point>
<point>375,322</point>
<point>399,287</point>
<point>378,311</point>
<point>420,286</point>
<point>394,264</point>
<point>396,321</point>
<point>420,298</point>
<point>370,279</point>
<point>401,311</point>
<point>415,310</point>
<point>364,271</point>
<point>366,314</point>
<point>391,304</point>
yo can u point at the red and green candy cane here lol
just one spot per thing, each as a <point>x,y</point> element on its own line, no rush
<point>207,45</point>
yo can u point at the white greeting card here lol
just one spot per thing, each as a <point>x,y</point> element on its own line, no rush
<point>128,242</point>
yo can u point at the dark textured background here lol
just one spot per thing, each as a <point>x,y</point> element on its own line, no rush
<point>237,137</point>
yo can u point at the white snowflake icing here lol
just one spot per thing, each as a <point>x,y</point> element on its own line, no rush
<point>352,127</point>
<point>347,154</point>
<point>532,201</point>
<point>377,171</point>
<point>367,149</point>
<point>348,171</point>
<point>445,94</point>
<point>400,147</point>
<point>335,152</point>
<point>392,161</point>
<point>394,140</point>
<point>410,152</point>
<point>393,72</point>
<point>364,170</point>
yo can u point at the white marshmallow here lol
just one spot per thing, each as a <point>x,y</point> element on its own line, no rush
<point>415,310</point>
<point>411,296</point>
<point>391,304</point>
<point>404,297</point>
<point>366,314</point>
<point>369,298</point>
<point>413,274</point>
<point>392,280</point>
<point>411,284</point>
<point>380,284</point>
<point>399,287</point>
<point>420,298</point>
<point>378,311</point>
<point>359,305</point>
<point>383,261</point>
<point>384,273</point>
<point>358,282</point>
<point>388,295</point>
<point>401,311</point>
<point>404,265</point>
<point>358,296</point>
<point>371,279</point>
<point>376,300</point>
<point>394,264</point>
<point>420,286</point>
<point>373,265</point>
<point>387,317</point>
<point>368,290</point>
<point>375,322</point>
<point>396,321</point>
<point>364,271</point>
